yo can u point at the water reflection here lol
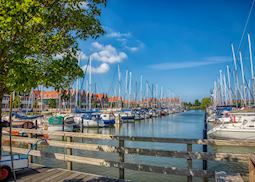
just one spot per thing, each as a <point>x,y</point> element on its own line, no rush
<point>182,125</point>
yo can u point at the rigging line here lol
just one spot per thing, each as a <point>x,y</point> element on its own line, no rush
<point>246,24</point>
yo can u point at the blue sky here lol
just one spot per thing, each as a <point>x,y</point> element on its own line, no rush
<point>180,45</point>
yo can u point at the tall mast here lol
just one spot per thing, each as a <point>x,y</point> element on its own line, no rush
<point>229,86</point>
<point>225,89</point>
<point>249,93</point>
<point>147,93</point>
<point>119,84</point>
<point>86,94</point>
<point>252,71</point>
<point>130,87</point>
<point>77,85</point>
<point>242,70</point>
<point>41,97</point>
<point>90,82</point>
<point>235,73</point>
<point>156,94</point>
<point>221,88</point>
<point>141,88</point>
<point>126,86</point>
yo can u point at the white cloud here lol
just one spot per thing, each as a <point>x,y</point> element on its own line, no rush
<point>191,64</point>
<point>118,34</point>
<point>136,48</point>
<point>103,68</point>
<point>82,55</point>
<point>107,54</point>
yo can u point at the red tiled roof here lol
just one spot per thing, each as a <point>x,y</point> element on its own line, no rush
<point>114,99</point>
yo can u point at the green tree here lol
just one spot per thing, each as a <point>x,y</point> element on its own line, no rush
<point>197,102</point>
<point>52,103</point>
<point>35,33</point>
<point>16,102</point>
<point>206,102</point>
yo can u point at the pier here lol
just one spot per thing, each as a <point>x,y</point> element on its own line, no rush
<point>37,172</point>
<point>120,149</point>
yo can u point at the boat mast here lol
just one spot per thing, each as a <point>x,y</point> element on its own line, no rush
<point>229,87</point>
<point>252,71</point>
<point>249,93</point>
<point>147,93</point>
<point>126,86</point>
<point>130,87</point>
<point>225,89</point>
<point>156,94</point>
<point>41,98</point>
<point>119,86</point>
<point>235,74</point>
<point>90,81</point>
<point>221,88</point>
<point>77,85</point>
<point>141,88</point>
<point>244,86</point>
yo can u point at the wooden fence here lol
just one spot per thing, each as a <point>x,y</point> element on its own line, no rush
<point>121,149</point>
<point>252,168</point>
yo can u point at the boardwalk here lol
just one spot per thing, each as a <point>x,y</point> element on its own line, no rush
<point>38,173</point>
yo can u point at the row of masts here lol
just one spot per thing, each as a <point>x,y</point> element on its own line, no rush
<point>228,89</point>
<point>129,91</point>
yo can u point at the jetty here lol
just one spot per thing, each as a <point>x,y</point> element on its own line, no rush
<point>37,172</point>
<point>117,145</point>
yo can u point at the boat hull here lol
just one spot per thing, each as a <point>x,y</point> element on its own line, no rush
<point>232,134</point>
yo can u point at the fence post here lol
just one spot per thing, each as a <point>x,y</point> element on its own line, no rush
<point>121,158</point>
<point>82,128</point>
<point>69,152</point>
<point>205,137</point>
<point>189,162</point>
<point>252,168</point>
<point>30,157</point>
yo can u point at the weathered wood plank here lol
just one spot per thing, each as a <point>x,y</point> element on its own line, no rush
<point>105,163</point>
<point>63,175</point>
<point>252,168</point>
<point>147,152</point>
<point>250,143</point>
<point>39,175</point>
<point>224,177</point>
<point>52,177</point>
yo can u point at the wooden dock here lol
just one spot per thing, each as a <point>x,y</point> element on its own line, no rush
<point>39,173</point>
<point>117,145</point>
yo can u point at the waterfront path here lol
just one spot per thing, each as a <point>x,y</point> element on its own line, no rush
<point>39,173</point>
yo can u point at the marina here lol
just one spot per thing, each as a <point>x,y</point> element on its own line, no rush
<point>168,151</point>
<point>127,91</point>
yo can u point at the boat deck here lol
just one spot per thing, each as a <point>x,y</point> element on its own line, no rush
<point>38,173</point>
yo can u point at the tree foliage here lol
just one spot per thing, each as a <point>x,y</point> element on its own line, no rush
<point>16,102</point>
<point>52,103</point>
<point>39,41</point>
<point>34,33</point>
<point>206,102</point>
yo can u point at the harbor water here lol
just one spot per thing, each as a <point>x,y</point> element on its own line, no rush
<point>181,125</point>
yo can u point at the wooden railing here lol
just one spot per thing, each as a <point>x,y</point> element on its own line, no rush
<point>121,149</point>
<point>252,168</point>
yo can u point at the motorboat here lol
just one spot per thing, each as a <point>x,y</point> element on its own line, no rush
<point>242,126</point>
<point>108,118</point>
<point>61,123</point>
<point>92,120</point>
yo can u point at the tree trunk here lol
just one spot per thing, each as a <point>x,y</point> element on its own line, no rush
<point>1,100</point>
<point>3,75</point>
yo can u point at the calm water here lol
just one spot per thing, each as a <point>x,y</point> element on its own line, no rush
<point>182,125</point>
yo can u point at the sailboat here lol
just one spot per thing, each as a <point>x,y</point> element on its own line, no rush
<point>242,123</point>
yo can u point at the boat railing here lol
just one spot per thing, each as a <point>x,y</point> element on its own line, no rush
<point>120,145</point>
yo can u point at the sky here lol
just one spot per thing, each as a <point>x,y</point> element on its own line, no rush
<point>179,45</point>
